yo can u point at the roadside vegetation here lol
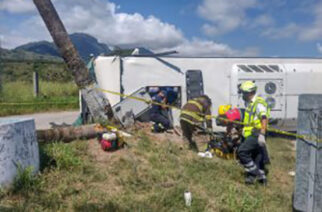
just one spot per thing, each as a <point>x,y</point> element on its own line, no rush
<point>56,87</point>
<point>150,175</point>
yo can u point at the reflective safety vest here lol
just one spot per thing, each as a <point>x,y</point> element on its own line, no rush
<point>250,123</point>
<point>193,117</point>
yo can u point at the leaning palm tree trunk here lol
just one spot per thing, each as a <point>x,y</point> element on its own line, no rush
<point>97,103</point>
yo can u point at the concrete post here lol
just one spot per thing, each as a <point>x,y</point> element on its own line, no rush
<point>308,178</point>
<point>18,148</point>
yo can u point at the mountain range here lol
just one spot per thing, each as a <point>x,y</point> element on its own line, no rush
<point>84,43</point>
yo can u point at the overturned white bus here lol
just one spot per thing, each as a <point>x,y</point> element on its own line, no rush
<point>280,80</point>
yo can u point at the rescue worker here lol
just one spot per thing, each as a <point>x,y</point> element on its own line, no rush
<point>252,152</point>
<point>234,129</point>
<point>230,118</point>
<point>226,146</point>
<point>194,113</point>
<point>222,109</point>
<point>158,113</point>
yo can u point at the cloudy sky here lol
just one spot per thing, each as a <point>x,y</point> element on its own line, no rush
<point>278,28</point>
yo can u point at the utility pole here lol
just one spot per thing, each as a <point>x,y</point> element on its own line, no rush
<point>97,103</point>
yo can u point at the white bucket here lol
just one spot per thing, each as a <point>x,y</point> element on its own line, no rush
<point>109,136</point>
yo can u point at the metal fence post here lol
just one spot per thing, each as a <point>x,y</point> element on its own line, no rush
<point>36,80</point>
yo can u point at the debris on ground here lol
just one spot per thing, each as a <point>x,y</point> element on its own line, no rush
<point>292,173</point>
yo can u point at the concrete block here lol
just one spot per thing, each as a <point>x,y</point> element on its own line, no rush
<point>308,178</point>
<point>18,147</point>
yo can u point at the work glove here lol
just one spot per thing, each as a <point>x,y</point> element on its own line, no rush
<point>261,140</point>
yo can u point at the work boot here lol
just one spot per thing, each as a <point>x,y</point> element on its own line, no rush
<point>263,182</point>
<point>193,146</point>
<point>153,129</point>
<point>161,127</point>
<point>250,179</point>
<point>157,128</point>
<point>261,178</point>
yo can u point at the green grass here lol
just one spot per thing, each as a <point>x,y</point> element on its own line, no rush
<point>25,180</point>
<point>56,86</point>
<point>151,175</point>
<point>53,96</point>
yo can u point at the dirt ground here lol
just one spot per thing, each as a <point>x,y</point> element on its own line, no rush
<point>138,129</point>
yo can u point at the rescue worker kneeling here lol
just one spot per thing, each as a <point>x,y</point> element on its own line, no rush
<point>252,152</point>
<point>193,114</point>
<point>226,146</point>
<point>158,113</point>
<point>233,127</point>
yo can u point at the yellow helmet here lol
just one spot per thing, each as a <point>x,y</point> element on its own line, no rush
<point>223,109</point>
<point>248,86</point>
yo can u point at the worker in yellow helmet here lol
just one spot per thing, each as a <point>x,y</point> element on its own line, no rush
<point>252,152</point>
<point>222,109</point>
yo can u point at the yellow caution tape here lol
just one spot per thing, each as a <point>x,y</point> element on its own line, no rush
<point>269,129</point>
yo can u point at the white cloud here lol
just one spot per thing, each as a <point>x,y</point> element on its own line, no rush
<point>303,32</point>
<point>263,20</point>
<point>287,31</point>
<point>224,16</point>
<point>205,48</point>
<point>313,31</point>
<point>17,6</point>
<point>13,39</point>
<point>319,48</point>
<point>30,30</point>
<point>102,20</point>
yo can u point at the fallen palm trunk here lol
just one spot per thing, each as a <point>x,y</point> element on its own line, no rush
<point>67,134</point>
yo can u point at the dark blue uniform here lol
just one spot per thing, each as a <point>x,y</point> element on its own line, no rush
<point>157,116</point>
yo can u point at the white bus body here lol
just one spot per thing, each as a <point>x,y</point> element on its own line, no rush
<point>279,80</point>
